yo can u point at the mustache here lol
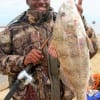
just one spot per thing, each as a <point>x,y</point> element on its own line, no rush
<point>44,5</point>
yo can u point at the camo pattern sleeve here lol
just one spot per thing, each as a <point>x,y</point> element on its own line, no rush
<point>9,64</point>
<point>93,39</point>
<point>92,36</point>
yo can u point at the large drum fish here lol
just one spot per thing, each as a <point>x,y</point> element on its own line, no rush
<point>70,40</point>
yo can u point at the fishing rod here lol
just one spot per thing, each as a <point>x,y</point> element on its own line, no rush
<point>25,75</point>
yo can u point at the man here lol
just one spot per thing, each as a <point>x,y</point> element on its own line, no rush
<point>20,46</point>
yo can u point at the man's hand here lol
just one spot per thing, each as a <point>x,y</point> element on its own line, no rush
<point>33,57</point>
<point>79,7</point>
<point>52,51</point>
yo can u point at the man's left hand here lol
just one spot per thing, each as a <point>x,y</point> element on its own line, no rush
<point>79,6</point>
<point>52,51</point>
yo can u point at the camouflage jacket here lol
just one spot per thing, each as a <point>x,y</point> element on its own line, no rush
<point>92,37</point>
<point>29,31</point>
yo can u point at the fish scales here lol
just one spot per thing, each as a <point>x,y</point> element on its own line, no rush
<point>70,40</point>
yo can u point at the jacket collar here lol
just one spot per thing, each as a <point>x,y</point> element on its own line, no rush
<point>35,17</point>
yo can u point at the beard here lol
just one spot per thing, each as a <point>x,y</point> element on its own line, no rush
<point>34,11</point>
<point>38,8</point>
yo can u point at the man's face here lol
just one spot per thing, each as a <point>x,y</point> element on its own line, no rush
<point>39,5</point>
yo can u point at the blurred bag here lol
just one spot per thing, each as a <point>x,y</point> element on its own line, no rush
<point>96,84</point>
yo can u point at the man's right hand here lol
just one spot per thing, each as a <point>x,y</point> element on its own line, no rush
<point>33,57</point>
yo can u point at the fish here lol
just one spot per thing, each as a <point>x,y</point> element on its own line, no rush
<point>70,40</point>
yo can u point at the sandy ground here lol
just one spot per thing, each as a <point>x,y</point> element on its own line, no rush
<point>95,63</point>
<point>95,68</point>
